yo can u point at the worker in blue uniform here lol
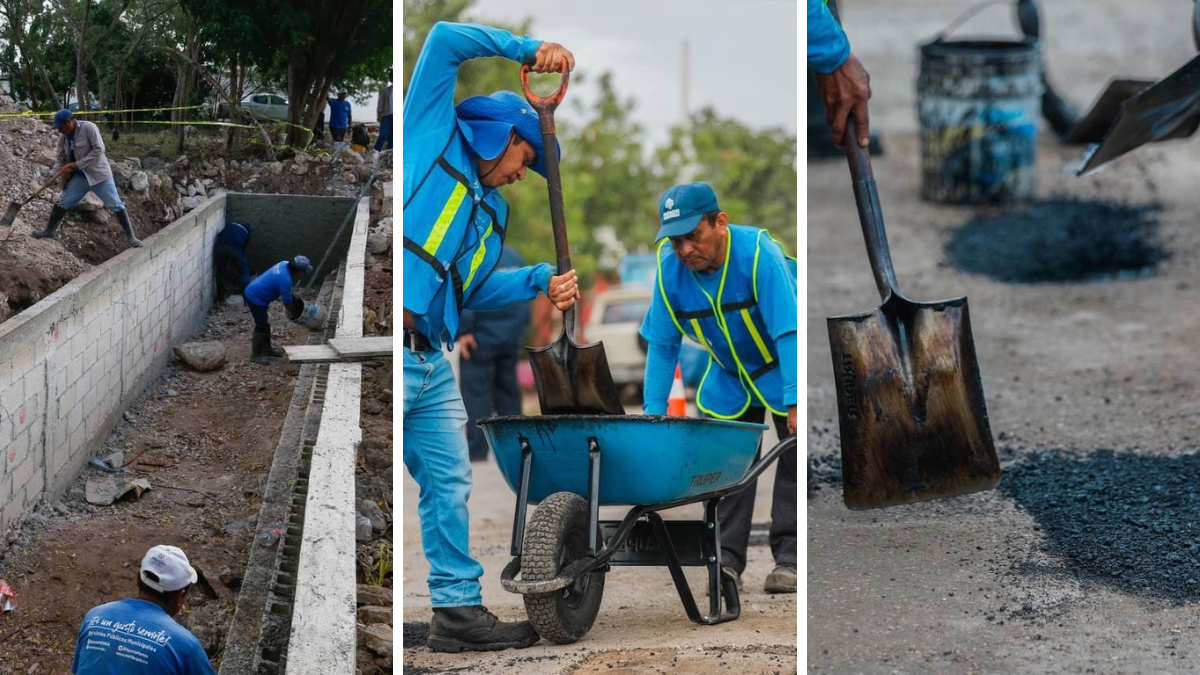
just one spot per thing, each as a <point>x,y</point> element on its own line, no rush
<point>274,284</point>
<point>455,223</point>
<point>842,81</point>
<point>229,255</point>
<point>732,290</point>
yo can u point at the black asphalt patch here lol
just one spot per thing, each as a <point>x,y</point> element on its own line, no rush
<point>1127,521</point>
<point>1060,240</point>
<point>416,634</point>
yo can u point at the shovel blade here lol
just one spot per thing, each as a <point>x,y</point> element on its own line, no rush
<point>1168,109</point>
<point>913,421</point>
<point>574,379</point>
<point>1097,121</point>
<point>10,214</point>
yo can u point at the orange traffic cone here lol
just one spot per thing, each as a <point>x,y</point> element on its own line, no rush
<point>677,400</point>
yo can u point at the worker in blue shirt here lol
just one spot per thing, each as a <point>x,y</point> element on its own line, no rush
<point>339,116</point>
<point>842,81</point>
<point>455,223</point>
<point>274,284</point>
<point>229,254</point>
<point>139,636</point>
<point>490,344</point>
<point>732,290</point>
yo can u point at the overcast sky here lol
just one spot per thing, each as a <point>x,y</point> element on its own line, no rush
<point>743,53</point>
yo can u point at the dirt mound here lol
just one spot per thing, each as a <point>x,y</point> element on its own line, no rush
<point>1060,240</point>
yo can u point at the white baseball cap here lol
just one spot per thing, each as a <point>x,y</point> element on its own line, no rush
<point>166,569</point>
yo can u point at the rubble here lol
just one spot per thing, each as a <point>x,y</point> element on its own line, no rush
<point>201,356</point>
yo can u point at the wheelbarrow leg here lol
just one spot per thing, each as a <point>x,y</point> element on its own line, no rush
<point>518,534</point>
<point>720,587</point>
<point>593,495</point>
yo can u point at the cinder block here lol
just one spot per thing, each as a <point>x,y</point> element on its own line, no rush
<point>23,361</point>
<point>75,423</point>
<point>24,471</point>
<point>75,369</point>
<point>5,495</point>
<point>78,439</point>
<point>15,508</point>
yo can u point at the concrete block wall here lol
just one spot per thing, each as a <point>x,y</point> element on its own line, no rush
<point>73,363</point>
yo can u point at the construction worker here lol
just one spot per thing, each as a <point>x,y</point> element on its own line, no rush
<point>81,152</point>
<point>339,116</point>
<point>138,635</point>
<point>230,252</point>
<point>842,81</point>
<point>455,221</point>
<point>274,284</point>
<point>383,112</point>
<point>732,290</point>
<point>491,343</point>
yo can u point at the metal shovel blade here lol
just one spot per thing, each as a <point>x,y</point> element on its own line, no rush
<point>574,379</point>
<point>911,409</point>
<point>1170,108</point>
<point>1093,125</point>
<point>10,214</point>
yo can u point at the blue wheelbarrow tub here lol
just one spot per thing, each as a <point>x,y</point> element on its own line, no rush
<point>644,459</point>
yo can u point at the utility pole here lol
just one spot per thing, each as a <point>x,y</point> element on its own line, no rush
<point>689,152</point>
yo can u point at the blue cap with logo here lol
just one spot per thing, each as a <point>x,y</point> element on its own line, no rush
<point>681,208</point>
<point>61,117</point>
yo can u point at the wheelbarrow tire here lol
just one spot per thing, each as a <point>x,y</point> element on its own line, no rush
<point>556,537</point>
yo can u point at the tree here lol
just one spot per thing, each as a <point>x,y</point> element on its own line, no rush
<point>79,18</point>
<point>752,172</point>
<point>318,42</point>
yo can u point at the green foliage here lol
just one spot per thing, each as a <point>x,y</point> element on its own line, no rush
<point>611,180</point>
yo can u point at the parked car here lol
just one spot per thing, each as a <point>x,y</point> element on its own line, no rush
<point>74,107</point>
<point>616,316</point>
<point>267,105</point>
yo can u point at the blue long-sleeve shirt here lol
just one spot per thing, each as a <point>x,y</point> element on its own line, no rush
<point>339,113</point>
<point>429,119</point>
<point>498,331</point>
<point>828,47</point>
<point>270,286</point>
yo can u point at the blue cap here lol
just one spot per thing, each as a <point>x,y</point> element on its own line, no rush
<point>61,117</point>
<point>490,119</point>
<point>681,208</point>
<point>302,264</point>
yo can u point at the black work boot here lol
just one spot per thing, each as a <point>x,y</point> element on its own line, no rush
<point>268,350</point>
<point>257,352</point>
<point>123,217</point>
<point>475,629</point>
<point>56,216</point>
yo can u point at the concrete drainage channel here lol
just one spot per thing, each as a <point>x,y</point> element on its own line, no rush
<point>312,565</point>
<point>77,360</point>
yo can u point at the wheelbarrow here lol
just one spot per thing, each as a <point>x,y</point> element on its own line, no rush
<point>570,465</point>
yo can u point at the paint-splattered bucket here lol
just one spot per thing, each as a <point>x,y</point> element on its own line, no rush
<point>979,102</point>
<point>313,316</point>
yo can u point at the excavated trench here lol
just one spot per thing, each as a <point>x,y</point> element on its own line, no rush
<point>1060,240</point>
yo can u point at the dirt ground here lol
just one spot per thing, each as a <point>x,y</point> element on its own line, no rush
<point>984,583</point>
<point>641,628</point>
<point>206,478</point>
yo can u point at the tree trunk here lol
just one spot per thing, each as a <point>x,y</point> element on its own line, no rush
<point>81,92</point>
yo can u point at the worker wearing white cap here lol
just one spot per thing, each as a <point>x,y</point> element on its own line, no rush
<point>138,635</point>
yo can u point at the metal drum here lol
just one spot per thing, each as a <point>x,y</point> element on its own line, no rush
<point>978,102</point>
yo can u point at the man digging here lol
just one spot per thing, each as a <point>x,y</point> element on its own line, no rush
<point>455,219</point>
<point>732,290</point>
<point>81,153</point>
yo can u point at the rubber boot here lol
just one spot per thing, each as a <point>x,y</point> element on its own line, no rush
<point>56,216</point>
<point>258,353</point>
<point>123,217</point>
<point>268,350</point>
<point>475,629</point>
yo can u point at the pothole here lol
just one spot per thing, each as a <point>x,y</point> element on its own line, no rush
<point>1060,240</point>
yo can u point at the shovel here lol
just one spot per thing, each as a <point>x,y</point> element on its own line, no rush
<point>10,215</point>
<point>571,378</point>
<point>1169,108</point>
<point>910,402</point>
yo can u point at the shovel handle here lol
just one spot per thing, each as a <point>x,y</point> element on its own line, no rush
<point>45,185</point>
<point>870,214</point>
<point>546,103</point>
<point>545,108</point>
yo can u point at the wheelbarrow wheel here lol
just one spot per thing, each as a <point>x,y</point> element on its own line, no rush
<point>555,538</point>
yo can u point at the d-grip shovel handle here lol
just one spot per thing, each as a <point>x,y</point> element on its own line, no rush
<point>545,107</point>
<point>870,215</point>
